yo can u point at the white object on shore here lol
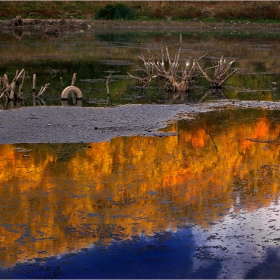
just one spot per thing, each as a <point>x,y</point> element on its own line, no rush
<point>65,93</point>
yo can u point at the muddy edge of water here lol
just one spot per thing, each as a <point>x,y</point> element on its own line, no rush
<point>147,25</point>
<point>76,124</point>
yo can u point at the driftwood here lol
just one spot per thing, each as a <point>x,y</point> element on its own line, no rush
<point>17,22</point>
<point>221,74</point>
<point>61,82</point>
<point>107,84</point>
<point>74,79</point>
<point>5,84</point>
<point>167,70</point>
<point>9,90</point>
<point>108,89</point>
<point>34,83</point>
<point>14,92</point>
<point>20,92</point>
<point>42,90</point>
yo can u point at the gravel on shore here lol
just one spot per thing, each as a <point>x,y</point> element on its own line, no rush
<point>89,124</point>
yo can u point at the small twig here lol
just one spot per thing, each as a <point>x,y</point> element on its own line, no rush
<point>227,77</point>
<point>17,76</point>
<point>2,94</point>
<point>52,72</point>
<point>5,81</point>
<point>74,79</point>
<point>40,101</point>
<point>203,72</point>
<point>34,83</point>
<point>212,49</point>
<point>204,96</point>
<point>23,79</point>
<point>107,84</point>
<point>61,81</point>
<point>12,90</point>
<point>20,93</point>
<point>42,90</point>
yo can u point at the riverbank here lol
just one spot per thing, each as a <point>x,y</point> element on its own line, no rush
<point>151,10</point>
<point>144,25</point>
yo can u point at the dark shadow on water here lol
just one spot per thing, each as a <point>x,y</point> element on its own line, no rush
<point>268,269</point>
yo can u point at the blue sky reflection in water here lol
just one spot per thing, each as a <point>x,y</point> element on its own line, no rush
<point>200,204</point>
<point>228,250</point>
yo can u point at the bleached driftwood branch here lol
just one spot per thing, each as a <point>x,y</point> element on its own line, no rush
<point>42,90</point>
<point>167,70</point>
<point>221,74</point>
<point>9,90</point>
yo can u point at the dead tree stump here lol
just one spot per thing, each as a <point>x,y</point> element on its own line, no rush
<point>17,21</point>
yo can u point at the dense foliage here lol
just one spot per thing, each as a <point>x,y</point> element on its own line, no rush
<point>118,11</point>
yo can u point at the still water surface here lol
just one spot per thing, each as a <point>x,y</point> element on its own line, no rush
<point>94,54</point>
<point>200,204</point>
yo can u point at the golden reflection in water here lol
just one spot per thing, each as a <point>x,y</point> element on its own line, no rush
<point>57,198</point>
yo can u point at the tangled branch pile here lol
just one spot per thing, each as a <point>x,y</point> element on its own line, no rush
<point>13,90</point>
<point>220,73</point>
<point>9,90</point>
<point>180,80</point>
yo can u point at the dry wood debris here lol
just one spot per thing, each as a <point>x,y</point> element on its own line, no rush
<point>180,80</point>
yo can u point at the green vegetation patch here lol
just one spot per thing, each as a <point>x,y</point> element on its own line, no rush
<point>118,11</point>
<point>257,11</point>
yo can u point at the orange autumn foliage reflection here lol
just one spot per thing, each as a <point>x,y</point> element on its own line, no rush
<point>259,131</point>
<point>64,197</point>
<point>198,137</point>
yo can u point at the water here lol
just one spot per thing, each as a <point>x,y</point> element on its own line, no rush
<point>203,203</point>
<point>94,54</point>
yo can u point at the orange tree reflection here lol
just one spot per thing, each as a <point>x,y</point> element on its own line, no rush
<point>57,198</point>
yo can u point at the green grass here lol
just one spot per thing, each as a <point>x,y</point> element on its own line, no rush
<point>254,11</point>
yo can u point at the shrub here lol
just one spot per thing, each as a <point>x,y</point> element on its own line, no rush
<point>158,13</point>
<point>118,11</point>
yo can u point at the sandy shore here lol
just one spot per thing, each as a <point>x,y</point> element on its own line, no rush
<point>76,124</point>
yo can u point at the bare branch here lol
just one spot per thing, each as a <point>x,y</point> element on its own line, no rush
<point>42,90</point>
<point>107,84</point>
<point>155,70</point>
<point>74,79</point>
<point>203,72</point>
